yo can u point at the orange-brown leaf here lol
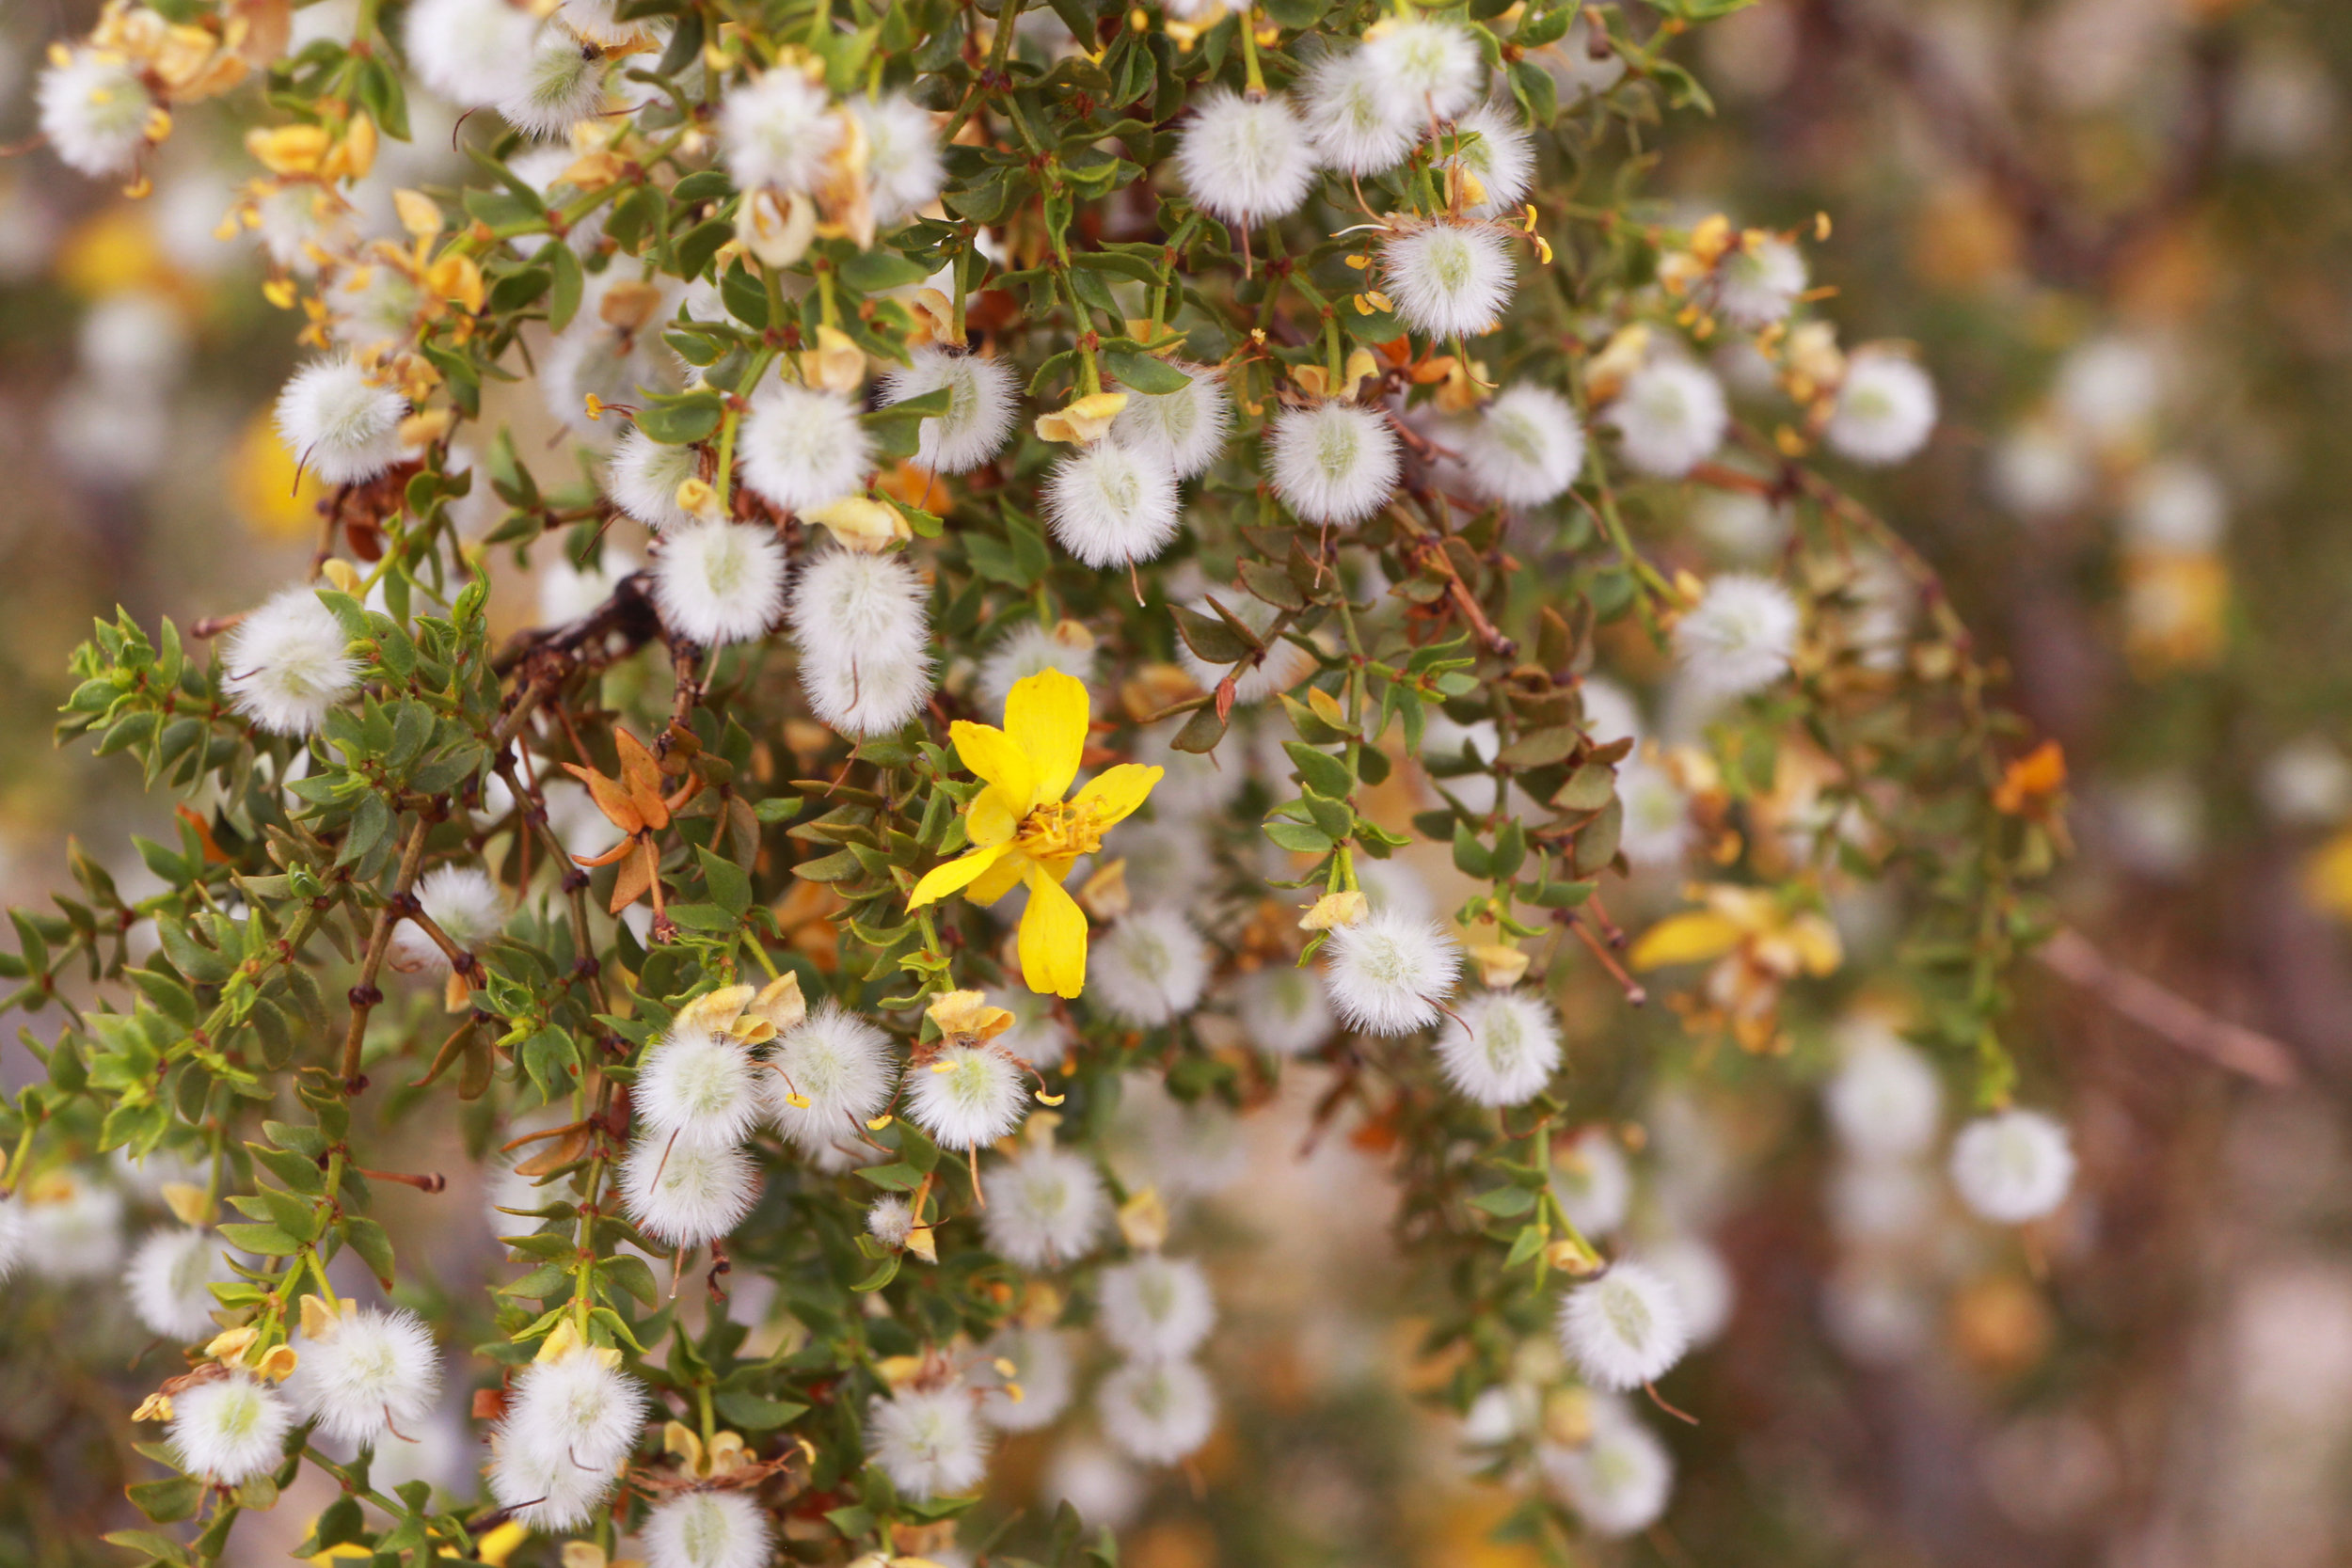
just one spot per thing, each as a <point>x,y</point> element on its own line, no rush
<point>636,873</point>
<point>641,775</point>
<point>611,798</point>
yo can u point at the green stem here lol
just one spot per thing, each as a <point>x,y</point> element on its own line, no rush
<point>1246,20</point>
<point>734,417</point>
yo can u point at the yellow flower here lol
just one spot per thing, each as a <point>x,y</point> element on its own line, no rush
<point>1024,833</point>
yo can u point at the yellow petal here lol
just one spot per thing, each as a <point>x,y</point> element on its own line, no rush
<point>1046,716</point>
<point>1684,939</point>
<point>1002,760</point>
<point>941,880</point>
<point>1000,879</point>
<point>1053,939</point>
<point>1114,793</point>
<point>991,818</point>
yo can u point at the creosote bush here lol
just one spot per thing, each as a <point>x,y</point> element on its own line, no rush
<point>1138,507</point>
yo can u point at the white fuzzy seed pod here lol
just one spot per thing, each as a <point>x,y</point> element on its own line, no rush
<point>369,1372</point>
<point>862,627</point>
<point>929,1442</point>
<point>1670,417</point>
<point>1525,446</point>
<point>73,1232</point>
<point>1156,1308</point>
<point>1592,1182</point>
<point>1701,1283</point>
<point>569,1424</point>
<point>778,132</point>
<point>1509,1052</point>
<point>1283,1010</point>
<point>1244,159</point>
<point>170,1278</point>
<point>2013,1165</point>
<point>1157,1411</point>
<point>1045,1209</point>
<point>1624,1329</point>
<point>471,51</point>
<point>1886,408</point>
<point>708,1529</point>
<point>720,582</point>
<point>1042,1371</point>
<point>1025,651</point>
<point>1740,637</point>
<point>286,663</point>
<point>1884,1101</point>
<point>685,1194</point>
<point>890,1221</point>
<point>1756,286</point>
<point>642,476</point>
<point>903,170</point>
<point>1111,505</point>
<point>1387,973</point>
<point>1619,1481</point>
<point>94,112</point>
<point>1354,122</point>
<point>339,423</point>
<point>1184,429</point>
<point>230,1429</point>
<point>802,447</point>
<point>1448,279</point>
<point>966,1096</point>
<point>11,1235</point>
<point>1493,144</point>
<point>827,1077</point>
<point>1150,969</point>
<point>1430,68</point>
<point>1657,830</point>
<point>464,902</point>
<point>560,84</point>
<point>981,395</point>
<point>699,1087</point>
<point>1334,464</point>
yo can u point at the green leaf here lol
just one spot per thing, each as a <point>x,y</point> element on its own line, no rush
<point>1540,748</point>
<point>682,420</point>
<point>266,1240</point>
<point>373,1244</point>
<point>751,1412</point>
<point>564,294</point>
<point>730,888</point>
<point>697,249</point>
<point>1503,1202</point>
<point>1469,856</point>
<point>870,272</point>
<point>1142,373</point>
<point>161,1548</point>
<point>1299,837</point>
<point>1322,772</point>
<point>1209,637</point>
<point>168,1501</point>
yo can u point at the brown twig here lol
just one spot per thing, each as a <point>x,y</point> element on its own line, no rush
<point>364,994</point>
<point>2167,1014</point>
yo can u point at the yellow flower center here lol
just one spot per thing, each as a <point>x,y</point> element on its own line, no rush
<point>1059,827</point>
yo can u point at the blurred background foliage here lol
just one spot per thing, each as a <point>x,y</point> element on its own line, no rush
<point>2120,233</point>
